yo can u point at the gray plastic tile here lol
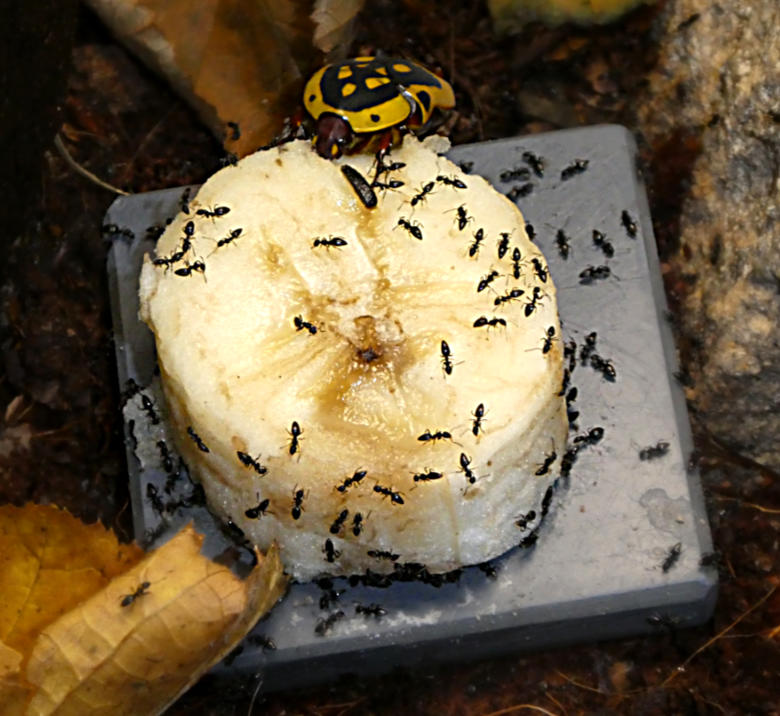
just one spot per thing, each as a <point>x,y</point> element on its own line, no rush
<point>596,570</point>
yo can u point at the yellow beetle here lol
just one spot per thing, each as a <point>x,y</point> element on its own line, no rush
<point>353,100</point>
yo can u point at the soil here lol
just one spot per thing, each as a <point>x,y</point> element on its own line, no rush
<point>61,438</point>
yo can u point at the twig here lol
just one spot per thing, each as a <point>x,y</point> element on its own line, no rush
<point>254,695</point>
<point>517,707</point>
<point>760,508</point>
<point>709,643</point>
<point>581,685</point>
<point>556,702</point>
<point>73,164</point>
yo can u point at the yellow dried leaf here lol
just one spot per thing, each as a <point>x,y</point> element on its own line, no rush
<point>511,15</point>
<point>241,61</point>
<point>14,691</point>
<point>105,658</point>
<point>49,562</point>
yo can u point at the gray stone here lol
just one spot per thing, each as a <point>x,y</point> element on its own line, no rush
<point>718,80</point>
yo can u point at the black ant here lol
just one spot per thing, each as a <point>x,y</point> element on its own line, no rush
<point>252,462</point>
<point>423,193</point>
<point>128,599</point>
<point>490,322</point>
<point>382,554</point>
<point>523,520</point>
<point>478,238</point>
<point>360,186</point>
<point>357,476</point>
<point>213,213</point>
<point>254,512</point>
<point>446,357</point>
<point>628,224</point>
<point>357,524</point>
<point>503,244</point>
<point>517,258</point>
<point>413,227</point>
<point>395,497</point>
<point>454,182</point>
<point>486,281</point>
<point>593,273</point>
<point>427,476</point>
<point>439,435</point>
<point>517,174</point>
<point>588,347</point>
<point>568,460</point>
<point>294,432</point>
<point>188,270</point>
<point>196,439</point>
<point>530,231</point>
<point>530,539</point>
<point>232,236</point>
<point>653,452</point>
<point>463,218</point>
<point>235,131</point>
<point>326,624</point>
<point>391,184</point>
<point>604,366</point>
<point>548,339</point>
<point>539,269</point>
<point>593,436</point>
<point>372,610</point>
<point>478,414</point>
<point>229,159</point>
<point>565,381</point>
<point>570,352</point>
<point>465,461</point>
<point>520,191</point>
<point>382,168</point>
<point>601,242</point>
<point>336,241</point>
<point>563,244</point>
<point>266,643</point>
<point>331,553</point>
<point>466,167</point>
<point>189,229</point>
<point>297,507</point>
<point>184,200</point>
<point>153,495</point>
<point>300,325</point>
<point>536,163</point>
<point>512,295</point>
<point>148,407</point>
<point>165,456</point>
<point>531,306</point>
<point>578,166</point>
<point>672,557</point>
<point>335,528</point>
<point>544,468</point>
<point>547,501</point>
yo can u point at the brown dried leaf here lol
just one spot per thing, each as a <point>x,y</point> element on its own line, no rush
<point>49,562</point>
<point>105,658</point>
<point>241,61</point>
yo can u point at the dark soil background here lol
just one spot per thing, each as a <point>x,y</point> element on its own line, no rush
<point>61,438</point>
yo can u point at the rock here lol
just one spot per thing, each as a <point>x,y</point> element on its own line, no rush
<point>716,87</point>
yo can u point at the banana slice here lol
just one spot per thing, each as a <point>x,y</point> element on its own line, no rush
<point>362,385</point>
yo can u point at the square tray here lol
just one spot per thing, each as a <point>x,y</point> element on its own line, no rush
<point>596,571</point>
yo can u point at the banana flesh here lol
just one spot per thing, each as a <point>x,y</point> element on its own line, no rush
<point>333,364</point>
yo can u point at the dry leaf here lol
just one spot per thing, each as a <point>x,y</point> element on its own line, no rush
<point>14,692</point>
<point>49,562</point>
<point>106,658</point>
<point>241,61</point>
<point>511,15</point>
